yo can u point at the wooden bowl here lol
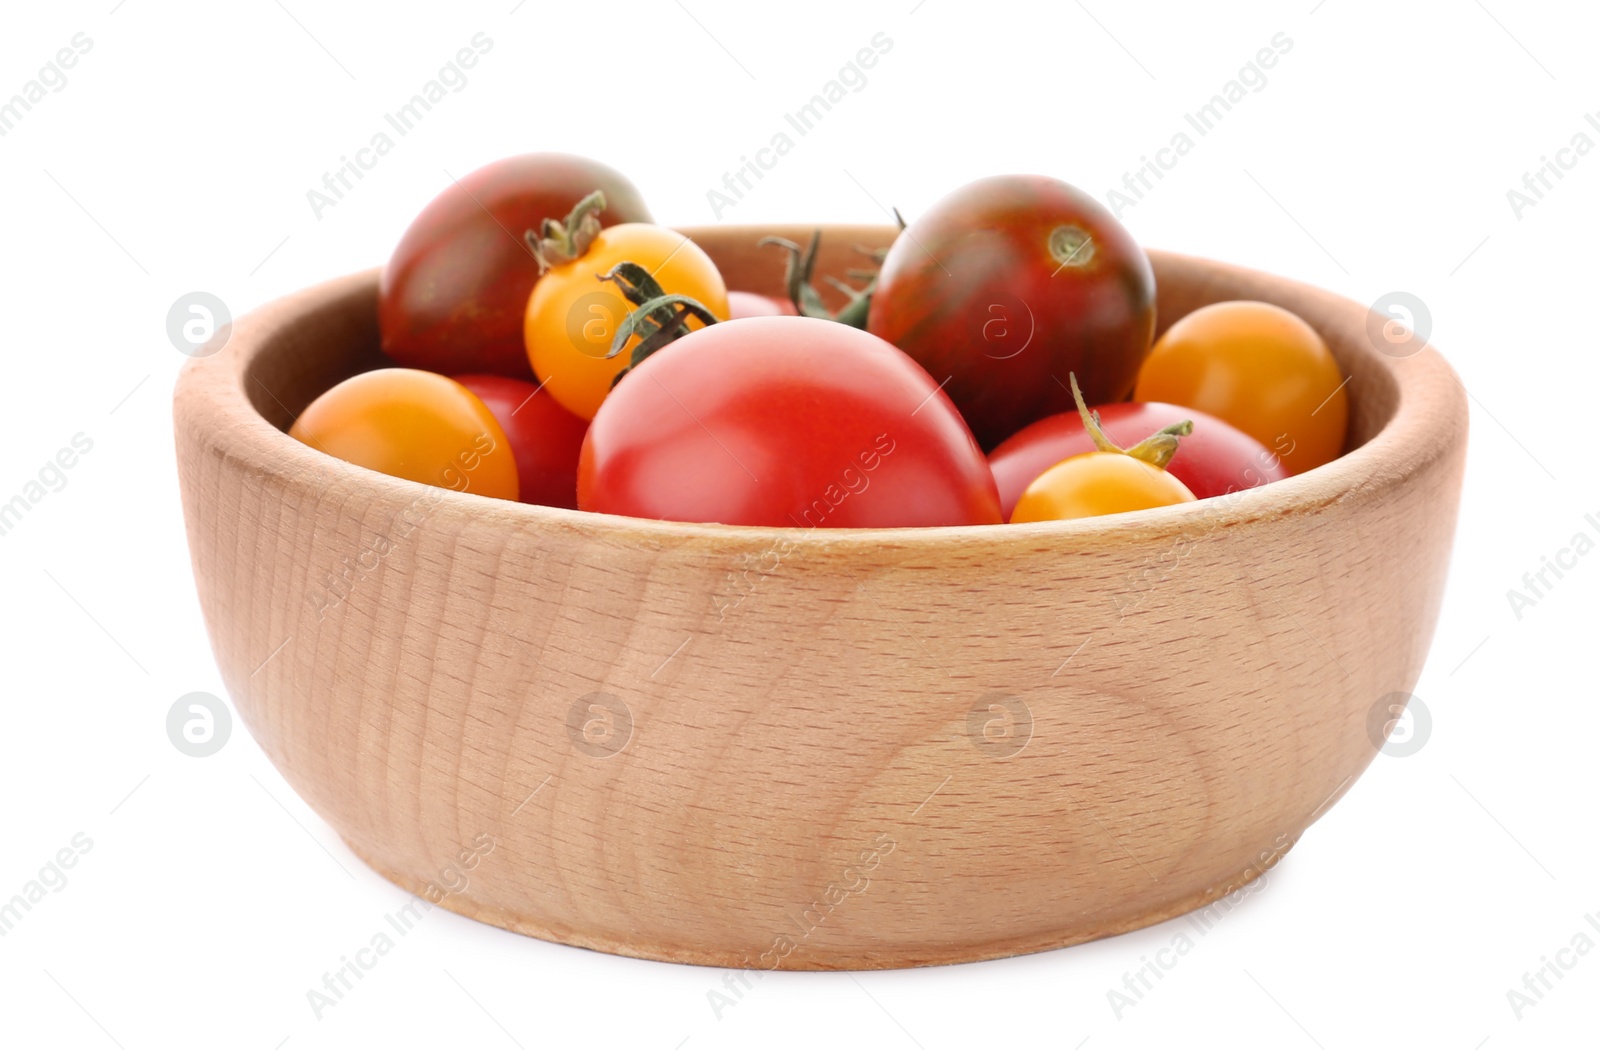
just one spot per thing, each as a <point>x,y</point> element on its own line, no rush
<point>830,749</point>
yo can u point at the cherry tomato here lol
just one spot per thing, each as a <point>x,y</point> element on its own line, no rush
<point>452,297</point>
<point>572,315</point>
<point>1215,459</point>
<point>415,425</point>
<point>545,438</point>
<point>784,421</point>
<point>1259,367</point>
<point>754,304</point>
<point>1009,281</point>
<point>1096,483</point>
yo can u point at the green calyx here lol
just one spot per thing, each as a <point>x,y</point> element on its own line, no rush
<point>807,301</point>
<point>557,242</point>
<point>1156,450</point>
<point>658,319</point>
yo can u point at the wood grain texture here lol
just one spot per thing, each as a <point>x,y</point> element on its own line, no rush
<point>1187,688</point>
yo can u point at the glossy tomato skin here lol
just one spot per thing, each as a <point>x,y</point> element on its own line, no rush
<point>1006,286</point>
<point>415,425</point>
<point>754,304</point>
<point>784,421</point>
<point>1093,484</point>
<point>572,316</point>
<point>1261,368</point>
<point>1215,459</point>
<point>545,438</point>
<point>452,296</point>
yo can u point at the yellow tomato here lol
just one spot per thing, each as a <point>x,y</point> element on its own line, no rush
<point>415,425</point>
<point>1094,483</point>
<point>1259,367</point>
<point>572,315</point>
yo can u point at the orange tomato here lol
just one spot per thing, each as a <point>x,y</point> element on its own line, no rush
<point>572,315</point>
<point>1260,368</point>
<point>1094,483</point>
<point>415,425</point>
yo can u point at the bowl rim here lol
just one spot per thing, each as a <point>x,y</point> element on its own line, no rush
<point>211,397</point>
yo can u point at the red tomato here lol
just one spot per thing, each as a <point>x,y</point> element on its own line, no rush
<point>793,421</point>
<point>1216,458</point>
<point>544,437</point>
<point>754,304</point>
<point>453,294</point>
<point>1008,282</point>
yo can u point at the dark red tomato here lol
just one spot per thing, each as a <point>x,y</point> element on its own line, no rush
<point>1216,458</point>
<point>1009,284</point>
<point>544,437</point>
<point>454,292</point>
<point>754,304</point>
<point>785,421</point>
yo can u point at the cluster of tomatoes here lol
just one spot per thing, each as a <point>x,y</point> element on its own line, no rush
<point>556,346</point>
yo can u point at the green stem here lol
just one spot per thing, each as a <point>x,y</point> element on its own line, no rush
<point>797,273</point>
<point>658,322</point>
<point>1157,449</point>
<point>797,278</point>
<point>561,242</point>
<point>659,318</point>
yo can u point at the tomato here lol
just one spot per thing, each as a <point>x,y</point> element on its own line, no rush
<point>793,421</point>
<point>1215,459</point>
<point>753,304</point>
<point>572,315</point>
<point>1096,483</point>
<point>415,425</point>
<point>545,438</point>
<point>452,297</point>
<point>1008,282</point>
<point>1260,368</point>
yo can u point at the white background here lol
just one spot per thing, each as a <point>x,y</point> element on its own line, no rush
<point>1377,158</point>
